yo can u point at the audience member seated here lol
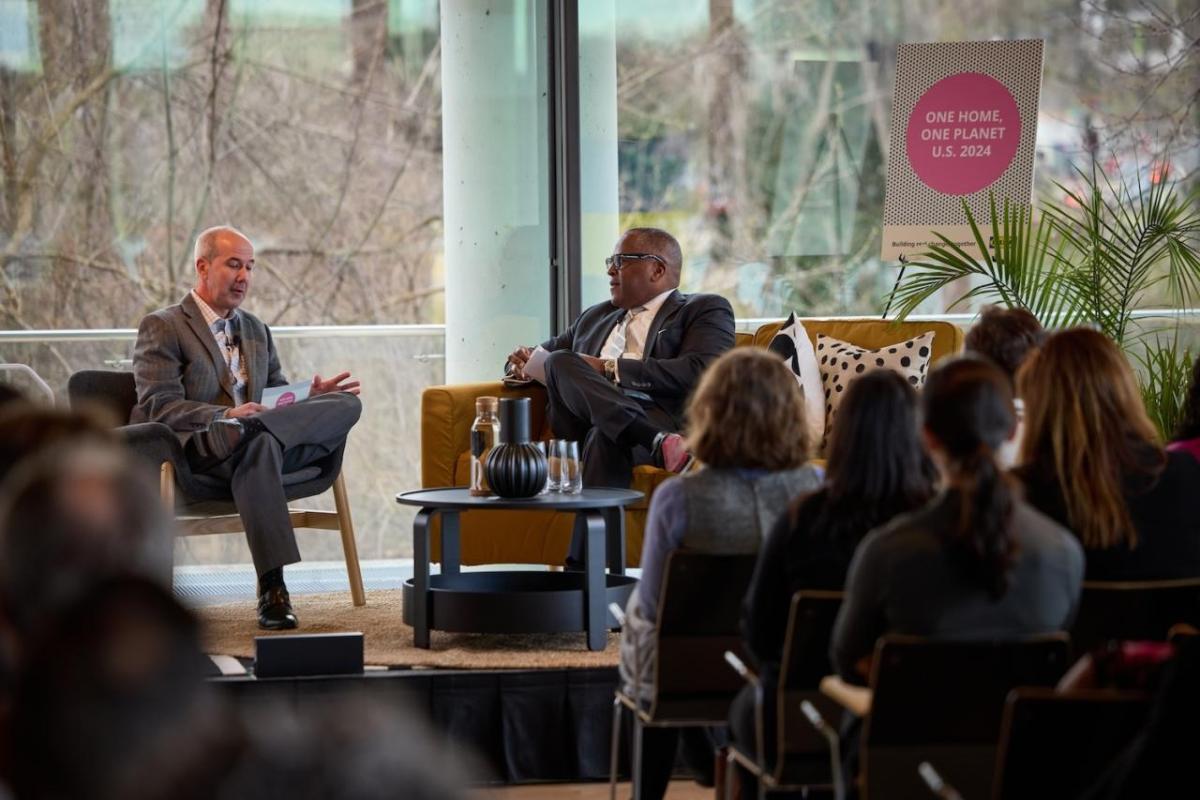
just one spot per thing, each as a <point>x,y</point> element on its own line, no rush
<point>73,513</point>
<point>877,468</point>
<point>746,425</point>
<point>977,561</point>
<point>114,706</point>
<point>1091,460</point>
<point>1187,437</point>
<point>113,703</point>
<point>1159,761</point>
<point>1007,336</point>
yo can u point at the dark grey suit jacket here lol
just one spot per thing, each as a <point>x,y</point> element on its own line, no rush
<point>182,379</point>
<point>687,334</point>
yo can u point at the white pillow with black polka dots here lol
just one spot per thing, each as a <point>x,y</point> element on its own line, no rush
<point>842,362</point>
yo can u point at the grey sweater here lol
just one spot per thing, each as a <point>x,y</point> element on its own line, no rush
<point>904,580</point>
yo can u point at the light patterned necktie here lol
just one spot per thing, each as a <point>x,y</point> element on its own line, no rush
<point>615,348</point>
<point>233,356</point>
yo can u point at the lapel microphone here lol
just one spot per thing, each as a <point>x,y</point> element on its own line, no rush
<point>233,332</point>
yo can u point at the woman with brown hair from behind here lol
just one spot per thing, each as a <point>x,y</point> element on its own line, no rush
<point>1091,459</point>
<point>746,426</point>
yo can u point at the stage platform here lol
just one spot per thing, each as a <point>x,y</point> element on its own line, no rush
<point>528,725</point>
<point>539,723</point>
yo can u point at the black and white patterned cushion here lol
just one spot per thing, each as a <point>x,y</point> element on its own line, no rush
<point>793,344</point>
<point>841,362</point>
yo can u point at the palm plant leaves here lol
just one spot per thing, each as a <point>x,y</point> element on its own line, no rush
<point>1091,260</point>
<point>1023,272</point>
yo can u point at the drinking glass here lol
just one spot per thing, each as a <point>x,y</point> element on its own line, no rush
<point>570,469</point>
<point>553,479</point>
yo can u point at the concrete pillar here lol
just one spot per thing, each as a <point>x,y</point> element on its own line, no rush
<point>495,159</point>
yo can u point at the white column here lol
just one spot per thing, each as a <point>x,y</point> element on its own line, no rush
<point>598,143</point>
<point>495,155</point>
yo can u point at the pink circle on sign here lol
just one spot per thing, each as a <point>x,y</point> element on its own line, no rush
<point>285,399</point>
<point>963,133</point>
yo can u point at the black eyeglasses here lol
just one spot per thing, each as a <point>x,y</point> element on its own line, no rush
<point>618,260</point>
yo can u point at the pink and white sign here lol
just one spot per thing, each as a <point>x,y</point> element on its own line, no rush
<point>963,133</point>
<point>964,124</point>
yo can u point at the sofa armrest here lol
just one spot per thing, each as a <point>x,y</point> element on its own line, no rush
<point>446,416</point>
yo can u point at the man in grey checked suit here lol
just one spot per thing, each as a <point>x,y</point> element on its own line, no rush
<point>201,367</point>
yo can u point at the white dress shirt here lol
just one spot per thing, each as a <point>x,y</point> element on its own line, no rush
<point>237,367</point>
<point>638,329</point>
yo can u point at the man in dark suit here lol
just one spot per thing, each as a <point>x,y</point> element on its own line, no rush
<point>200,368</point>
<point>619,377</point>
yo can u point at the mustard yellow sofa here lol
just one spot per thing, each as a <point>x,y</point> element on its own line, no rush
<point>541,537</point>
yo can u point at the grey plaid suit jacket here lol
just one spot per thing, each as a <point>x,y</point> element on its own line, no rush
<point>182,379</point>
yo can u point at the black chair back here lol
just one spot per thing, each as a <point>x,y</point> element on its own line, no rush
<point>942,702</point>
<point>1135,610</point>
<point>699,613</point>
<point>801,755</point>
<point>1057,745</point>
<point>112,390</point>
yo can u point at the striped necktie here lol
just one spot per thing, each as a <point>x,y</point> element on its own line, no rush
<point>232,351</point>
<point>615,348</point>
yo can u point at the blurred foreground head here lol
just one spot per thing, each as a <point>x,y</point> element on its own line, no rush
<point>71,515</point>
<point>111,702</point>
<point>27,429</point>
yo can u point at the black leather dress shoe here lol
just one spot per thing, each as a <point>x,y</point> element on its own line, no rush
<point>275,610</point>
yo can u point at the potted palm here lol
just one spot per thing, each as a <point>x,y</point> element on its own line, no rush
<point>1095,258</point>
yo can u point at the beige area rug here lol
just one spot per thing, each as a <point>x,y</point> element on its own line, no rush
<point>230,630</point>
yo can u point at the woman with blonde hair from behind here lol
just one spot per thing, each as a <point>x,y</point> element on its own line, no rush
<point>746,426</point>
<point>1092,460</point>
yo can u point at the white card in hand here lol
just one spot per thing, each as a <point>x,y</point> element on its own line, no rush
<point>280,396</point>
<point>535,367</point>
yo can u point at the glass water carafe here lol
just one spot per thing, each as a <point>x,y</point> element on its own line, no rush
<point>484,431</point>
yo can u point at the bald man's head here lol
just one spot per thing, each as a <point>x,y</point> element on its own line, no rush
<point>224,259</point>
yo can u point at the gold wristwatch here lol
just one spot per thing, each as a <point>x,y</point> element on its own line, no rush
<point>610,369</point>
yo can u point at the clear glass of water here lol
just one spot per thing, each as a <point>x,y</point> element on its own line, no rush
<point>553,473</point>
<point>570,468</point>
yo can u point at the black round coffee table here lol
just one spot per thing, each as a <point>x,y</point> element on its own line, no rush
<point>519,601</point>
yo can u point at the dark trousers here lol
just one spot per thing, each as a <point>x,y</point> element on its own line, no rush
<point>584,406</point>
<point>296,437</point>
<point>697,746</point>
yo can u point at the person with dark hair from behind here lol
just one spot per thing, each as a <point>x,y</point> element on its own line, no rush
<point>876,469</point>
<point>746,425</point>
<point>73,514</point>
<point>1187,435</point>
<point>1007,336</point>
<point>1091,460</point>
<point>113,705</point>
<point>977,561</point>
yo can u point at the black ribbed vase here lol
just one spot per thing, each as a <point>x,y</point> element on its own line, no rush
<point>515,467</point>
